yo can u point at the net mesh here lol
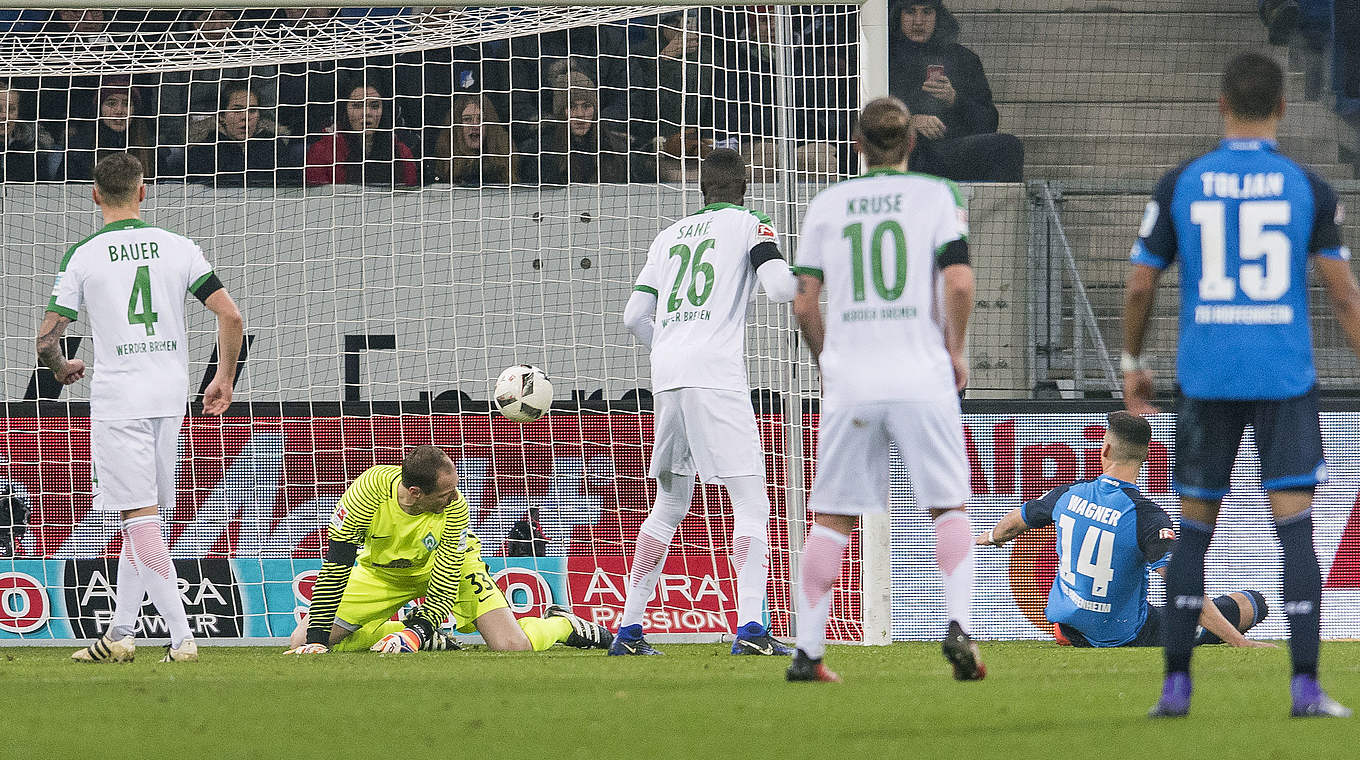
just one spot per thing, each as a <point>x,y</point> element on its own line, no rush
<point>403,206</point>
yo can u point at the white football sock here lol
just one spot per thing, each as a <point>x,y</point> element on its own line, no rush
<point>129,596</point>
<point>954,556</point>
<point>158,573</point>
<point>820,567</point>
<point>674,492</point>
<point>750,545</point>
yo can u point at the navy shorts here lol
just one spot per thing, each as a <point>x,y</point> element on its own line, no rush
<point>1150,635</point>
<point>1288,439</point>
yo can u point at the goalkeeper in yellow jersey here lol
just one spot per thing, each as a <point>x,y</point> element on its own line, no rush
<point>407,527</point>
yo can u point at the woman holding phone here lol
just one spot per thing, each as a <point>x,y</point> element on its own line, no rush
<point>943,84</point>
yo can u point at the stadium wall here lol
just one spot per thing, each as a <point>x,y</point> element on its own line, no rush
<point>466,283</point>
<point>254,496</point>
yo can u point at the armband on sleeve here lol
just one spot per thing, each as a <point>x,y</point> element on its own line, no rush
<point>341,553</point>
<point>209,285</point>
<point>764,252</point>
<point>953,252</point>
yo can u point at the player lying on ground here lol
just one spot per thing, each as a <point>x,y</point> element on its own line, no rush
<point>1109,534</point>
<point>407,528</point>
<point>891,250</point>
<point>1245,223</point>
<point>689,305</point>
<point>131,280</point>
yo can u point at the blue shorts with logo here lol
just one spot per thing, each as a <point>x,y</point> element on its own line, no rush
<point>1288,440</point>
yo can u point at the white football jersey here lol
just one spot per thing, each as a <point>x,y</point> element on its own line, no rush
<point>131,280</point>
<point>700,271</point>
<point>872,241</point>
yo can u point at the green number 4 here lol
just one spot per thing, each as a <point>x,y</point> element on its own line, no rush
<point>694,265</point>
<point>141,295</point>
<point>855,234</point>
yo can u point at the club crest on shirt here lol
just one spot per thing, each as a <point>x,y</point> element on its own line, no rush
<point>429,542</point>
<point>338,517</point>
<point>1167,534</point>
<point>765,232</point>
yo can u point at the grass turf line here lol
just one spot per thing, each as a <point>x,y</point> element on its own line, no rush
<point>697,701</point>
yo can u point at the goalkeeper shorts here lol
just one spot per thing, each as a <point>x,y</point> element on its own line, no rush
<point>373,598</point>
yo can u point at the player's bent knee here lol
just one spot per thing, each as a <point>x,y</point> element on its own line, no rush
<point>338,634</point>
<point>1253,606</point>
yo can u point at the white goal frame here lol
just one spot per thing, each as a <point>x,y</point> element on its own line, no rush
<point>875,530</point>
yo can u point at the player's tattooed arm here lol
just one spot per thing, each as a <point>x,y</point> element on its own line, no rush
<point>51,332</point>
<point>1010,526</point>
<point>808,311</point>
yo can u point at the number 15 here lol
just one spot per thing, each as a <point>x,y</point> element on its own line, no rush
<point>1266,281</point>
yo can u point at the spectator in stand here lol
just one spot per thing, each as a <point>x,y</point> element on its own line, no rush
<point>188,98</point>
<point>576,146</point>
<point>943,84</point>
<point>672,100</point>
<point>119,128</point>
<point>362,147</point>
<point>242,148</point>
<point>447,72</point>
<point>475,151</point>
<point>25,148</point>
<point>751,94</point>
<point>1311,18</point>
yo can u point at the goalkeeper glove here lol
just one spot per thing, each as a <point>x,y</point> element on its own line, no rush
<point>309,649</point>
<point>405,640</point>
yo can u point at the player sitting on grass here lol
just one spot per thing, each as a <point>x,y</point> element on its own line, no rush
<point>407,527</point>
<point>689,306</point>
<point>1108,536</point>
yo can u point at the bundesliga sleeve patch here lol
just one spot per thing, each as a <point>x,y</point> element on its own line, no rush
<point>1150,215</point>
<point>1340,213</point>
<point>961,213</point>
<point>765,232</point>
<point>338,518</point>
<point>1167,534</point>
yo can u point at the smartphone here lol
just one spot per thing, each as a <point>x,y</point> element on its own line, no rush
<point>934,70</point>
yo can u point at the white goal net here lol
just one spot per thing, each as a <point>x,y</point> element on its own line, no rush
<point>404,202</point>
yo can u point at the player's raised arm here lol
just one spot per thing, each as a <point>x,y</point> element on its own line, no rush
<point>348,530</point>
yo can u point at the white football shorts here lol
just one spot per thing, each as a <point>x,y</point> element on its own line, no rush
<point>133,462</point>
<point>708,431</point>
<point>852,455</point>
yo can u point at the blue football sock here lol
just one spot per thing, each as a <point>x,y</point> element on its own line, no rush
<point>1302,591</point>
<point>1185,594</point>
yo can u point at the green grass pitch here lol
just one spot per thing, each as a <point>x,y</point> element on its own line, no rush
<point>1038,701</point>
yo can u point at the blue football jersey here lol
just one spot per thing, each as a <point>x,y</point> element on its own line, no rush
<point>1242,220</point>
<point>1109,536</point>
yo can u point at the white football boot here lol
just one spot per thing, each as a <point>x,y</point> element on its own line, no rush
<point>105,649</point>
<point>187,652</point>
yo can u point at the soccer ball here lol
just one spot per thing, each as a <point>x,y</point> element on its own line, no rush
<point>523,393</point>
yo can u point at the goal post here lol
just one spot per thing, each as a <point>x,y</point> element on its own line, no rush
<point>379,307</point>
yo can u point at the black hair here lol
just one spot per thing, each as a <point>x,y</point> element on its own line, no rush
<point>722,177</point>
<point>1132,434</point>
<point>1252,86</point>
